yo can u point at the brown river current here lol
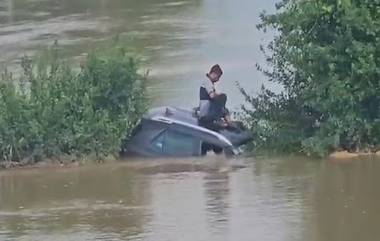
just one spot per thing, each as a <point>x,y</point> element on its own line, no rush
<point>210,199</point>
<point>195,199</point>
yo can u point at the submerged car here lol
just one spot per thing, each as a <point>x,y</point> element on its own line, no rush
<point>169,131</point>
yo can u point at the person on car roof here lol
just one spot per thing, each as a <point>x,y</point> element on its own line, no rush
<point>212,105</point>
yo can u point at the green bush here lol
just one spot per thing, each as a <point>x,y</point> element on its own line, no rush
<point>54,109</point>
<point>326,55</point>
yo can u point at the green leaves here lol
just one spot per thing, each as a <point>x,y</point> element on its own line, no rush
<point>327,56</point>
<point>54,110</point>
<point>345,4</point>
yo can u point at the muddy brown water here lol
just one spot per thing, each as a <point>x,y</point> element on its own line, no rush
<point>178,41</point>
<point>210,198</point>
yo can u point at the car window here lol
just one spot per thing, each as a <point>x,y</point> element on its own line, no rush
<point>175,143</point>
<point>158,142</point>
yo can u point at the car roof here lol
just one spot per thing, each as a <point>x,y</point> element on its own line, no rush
<point>182,117</point>
<point>173,113</point>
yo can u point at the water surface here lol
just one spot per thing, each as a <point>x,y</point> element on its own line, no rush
<point>194,199</point>
<point>180,199</point>
<point>179,40</point>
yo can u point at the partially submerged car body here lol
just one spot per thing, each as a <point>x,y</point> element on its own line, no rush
<point>168,131</point>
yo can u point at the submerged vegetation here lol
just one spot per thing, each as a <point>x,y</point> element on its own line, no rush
<point>54,109</point>
<point>326,55</point>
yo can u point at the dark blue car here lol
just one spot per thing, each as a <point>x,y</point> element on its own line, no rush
<point>168,131</point>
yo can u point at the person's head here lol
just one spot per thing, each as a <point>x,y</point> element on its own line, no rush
<point>215,73</point>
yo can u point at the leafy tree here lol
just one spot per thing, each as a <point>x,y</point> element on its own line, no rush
<point>326,55</point>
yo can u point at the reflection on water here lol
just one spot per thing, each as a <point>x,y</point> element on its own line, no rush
<point>88,203</point>
<point>346,202</point>
<point>201,199</point>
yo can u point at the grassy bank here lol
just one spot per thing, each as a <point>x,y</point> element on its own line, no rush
<point>54,109</point>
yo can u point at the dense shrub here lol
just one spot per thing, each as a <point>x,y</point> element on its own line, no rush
<point>54,109</point>
<point>326,55</point>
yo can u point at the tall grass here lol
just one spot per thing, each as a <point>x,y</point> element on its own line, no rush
<point>54,109</point>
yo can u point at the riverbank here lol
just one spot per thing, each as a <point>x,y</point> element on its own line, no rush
<point>62,162</point>
<point>345,155</point>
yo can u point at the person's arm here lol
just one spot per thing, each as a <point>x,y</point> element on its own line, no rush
<point>213,94</point>
<point>210,88</point>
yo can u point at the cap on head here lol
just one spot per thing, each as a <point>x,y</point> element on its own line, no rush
<point>217,70</point>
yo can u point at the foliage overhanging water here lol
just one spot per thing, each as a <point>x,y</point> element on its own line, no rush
<point>205,199</point>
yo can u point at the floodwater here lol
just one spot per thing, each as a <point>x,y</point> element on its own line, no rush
<point>209,199</point>
<point>195,199</point>
<point>178,41</point>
